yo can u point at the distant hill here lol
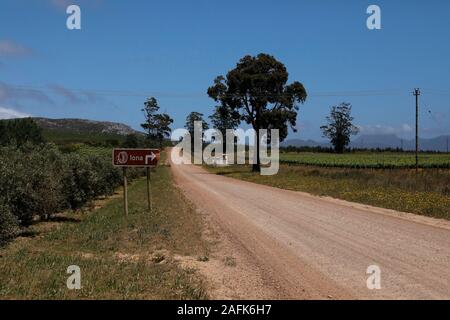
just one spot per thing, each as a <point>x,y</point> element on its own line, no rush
<point>304,143</point>
<point>381,141</point>
<point>392,141</point>
<point>81,130</point>
<point>85,126</point>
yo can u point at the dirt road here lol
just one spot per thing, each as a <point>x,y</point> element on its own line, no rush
<point>297,246</point>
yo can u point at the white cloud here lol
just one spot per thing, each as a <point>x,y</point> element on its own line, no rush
<point>10,48</point>
<point>382,129</point>
<point>407,128</point>
<point>6,113</point>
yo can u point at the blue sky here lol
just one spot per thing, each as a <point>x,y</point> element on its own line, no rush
<point>128,50</point>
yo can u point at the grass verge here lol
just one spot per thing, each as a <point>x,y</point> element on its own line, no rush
<point>427,193</point>
<point>119,258</point>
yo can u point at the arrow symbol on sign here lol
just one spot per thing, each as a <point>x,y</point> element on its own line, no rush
<point>150,156</point>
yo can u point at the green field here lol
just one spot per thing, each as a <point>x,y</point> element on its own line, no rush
<point>65,137</point>
<point>91,150</point>
<point>369,160</point>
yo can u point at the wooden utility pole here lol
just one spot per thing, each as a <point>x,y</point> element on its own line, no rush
<point>125,191</point>
<point>148,189</point>
<point>417,94</point>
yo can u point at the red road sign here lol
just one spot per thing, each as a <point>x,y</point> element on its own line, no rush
<point>135,157</point>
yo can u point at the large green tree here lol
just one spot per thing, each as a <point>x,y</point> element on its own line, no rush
<point>224,118</point>
<point>192,118</point>
<point>156,125</point>
<point>190,121</point>
<point>163,122</point>
<point>257,88</point>
<point>340,126</point>
<point>150,110</point>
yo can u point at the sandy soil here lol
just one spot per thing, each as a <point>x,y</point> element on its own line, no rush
<point>293,245</point>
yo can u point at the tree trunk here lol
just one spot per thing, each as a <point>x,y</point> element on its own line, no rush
<point>339,148</point>
<point>257,166</point>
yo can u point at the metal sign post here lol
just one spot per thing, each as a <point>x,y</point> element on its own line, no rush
<point>148,189</point>
<point>125,158</point>
<point>125,191</point>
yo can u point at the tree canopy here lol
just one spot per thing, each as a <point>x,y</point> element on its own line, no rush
<point>340,126</point>
<point>150,109</point>
<point>156,125</point>
<point>20,131</point>
<point>190,120</point>
<point>163,122</point>
<point>224,118</point>
<point>257,89</point>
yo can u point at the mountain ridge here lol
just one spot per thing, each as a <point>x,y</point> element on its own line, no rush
<point>381,141</point>
<point>85,126</point>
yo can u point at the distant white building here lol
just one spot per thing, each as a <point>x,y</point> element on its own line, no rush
<point>220,161</point>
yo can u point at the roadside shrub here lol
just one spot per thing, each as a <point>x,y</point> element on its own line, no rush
<point>87,177</point>
<point>77,180</point>
<point>8,224</point>
<point>40,180</point>
<point>106,178</point>
<point>133,173</point>
<point>69,147</point>
<point>29,181</point>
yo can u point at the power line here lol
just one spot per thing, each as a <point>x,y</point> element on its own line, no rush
<point>318,94</point>
<point>437,92</point>
<point>357,93</point>
<point>199,94</point>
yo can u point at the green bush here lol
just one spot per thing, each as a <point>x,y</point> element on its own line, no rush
<point>77,181</point>
<point>107,177</point>
<point>29,181</point>
<point>69,147</point>
<point>87,177</point>
<point>41,180</point>
<point>8,224</point>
